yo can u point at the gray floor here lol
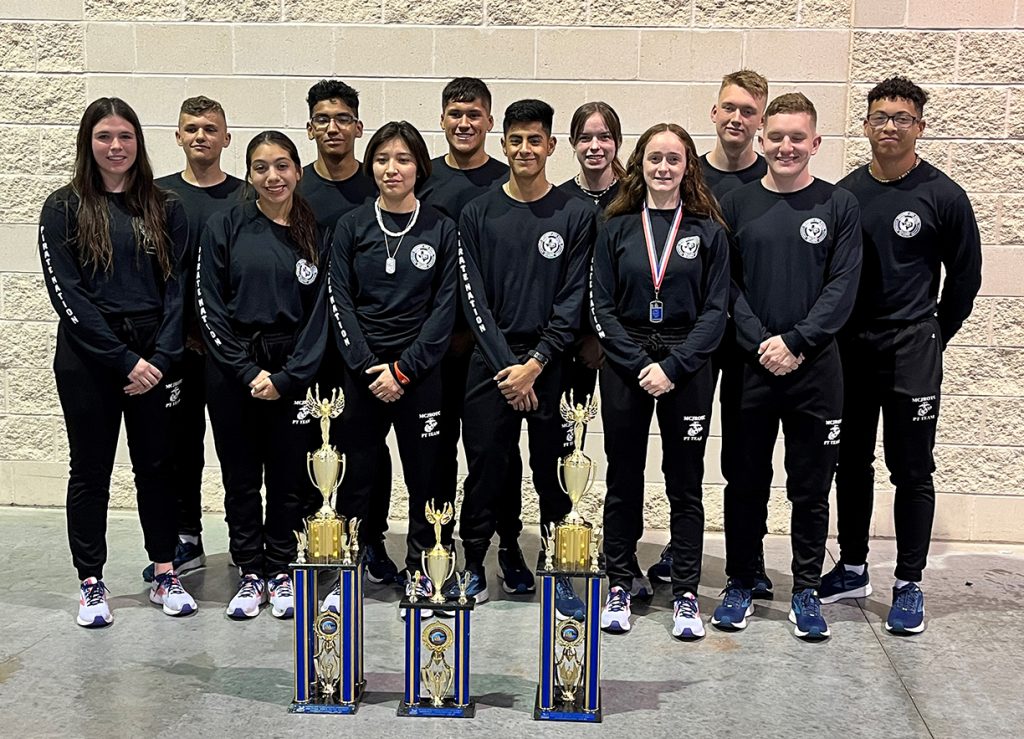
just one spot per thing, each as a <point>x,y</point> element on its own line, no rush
<point>207,676</point>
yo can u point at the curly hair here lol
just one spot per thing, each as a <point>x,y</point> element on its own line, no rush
<point>900,88</point>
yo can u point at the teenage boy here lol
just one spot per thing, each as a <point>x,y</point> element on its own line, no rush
<point>917,223</point>
<point>796,251</point>
<point>523,255</point>
<point>203,188</point>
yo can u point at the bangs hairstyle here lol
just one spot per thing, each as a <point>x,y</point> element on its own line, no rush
<point>899,88</point>
<point>466,90</point>
<point>410,137</point>
<point>696,195</point>
<point>791,102</point>
<point>332,90</point>
<point>302,231</point>
<point>749,80</point>
<point>611,120</point>
<point>144,200</point>
<point>200,104</point>
<point>529,111</point>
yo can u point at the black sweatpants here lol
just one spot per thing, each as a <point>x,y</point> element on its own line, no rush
<point>808,403</point>
<point>93,400</point>
<point>490,435</point>
<point>684,419</point>
<point>189,426</point>
<point>898,372</point>
<point>261,441</point>
<point>417,418</point>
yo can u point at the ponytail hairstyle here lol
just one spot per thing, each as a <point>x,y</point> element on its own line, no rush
<point>302,229</point>
<point>610,118</point>
<point>144,200</point>
<point>696,195</point>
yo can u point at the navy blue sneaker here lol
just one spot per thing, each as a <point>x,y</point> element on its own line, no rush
<point>378,565</point>
<point>762,589</point>
<point>567,603</point>
<point>840,583</point>
<point>476,587</point>
<point>662,569</point>
<point>187,556</point>
<point>907,613</point>
<point>805,612</point>
<point>736,606</point>
<point>516,577</point>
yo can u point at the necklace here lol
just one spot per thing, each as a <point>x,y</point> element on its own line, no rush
<point>876,178</point>
<point>596,195</point>
<point>390,264</point>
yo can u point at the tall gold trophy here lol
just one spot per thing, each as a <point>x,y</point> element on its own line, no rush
<point>574,535</point>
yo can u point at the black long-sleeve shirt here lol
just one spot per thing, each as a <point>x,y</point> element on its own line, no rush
<point>449,190</point>
<point>722,182</point>
<point>522,268</point>
<point>694,292</point>
<point>405,317</point>
<point>85,298</point>
<point>795,263</point>
<point>251,278</point>
<point>571,188</point>
<point>913,228</point>
<point>331,199</point>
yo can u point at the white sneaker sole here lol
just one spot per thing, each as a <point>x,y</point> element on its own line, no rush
<point>185,610</point>
<point>863,592</point>
<point>904,630</point>
<point>738,625</point>
<point>284,613</point>
<point>687,633</point>
<point>98,621</point>
<point>240,614</point>
<point>806,634</point>
<point>616,625</point>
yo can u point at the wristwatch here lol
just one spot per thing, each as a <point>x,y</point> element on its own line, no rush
<point>534,354</point>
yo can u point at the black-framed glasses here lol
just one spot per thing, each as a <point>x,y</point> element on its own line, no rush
<point>900,120</point>
<point>322,120</point>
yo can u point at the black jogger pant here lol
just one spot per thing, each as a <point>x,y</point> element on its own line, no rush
<point>189,441</point>
<point>896,371</point>
<point>808,403</point>
<point>684,419</point>
<point>93,400</point>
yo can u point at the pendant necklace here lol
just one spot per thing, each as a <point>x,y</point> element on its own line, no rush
<point>595,194</point>
<point>876,178</point>
<point>659,266</point>
<point>390,264</point>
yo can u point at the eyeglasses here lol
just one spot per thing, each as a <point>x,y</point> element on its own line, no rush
<point>900,120</point>
<point>322,121</point>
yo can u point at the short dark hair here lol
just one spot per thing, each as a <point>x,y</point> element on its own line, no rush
<point>899,87</point>
<point>466,90</point>
<point>332,90</point>
<point>791,102</point>
<point>411,137</point>
<point>201,104</point>
<point>529,111</point>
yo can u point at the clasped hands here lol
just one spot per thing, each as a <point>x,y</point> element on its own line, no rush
<point>516,384</point>
<point>776,357</point>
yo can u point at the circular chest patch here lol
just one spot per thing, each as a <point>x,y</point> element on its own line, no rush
<point>306,272</point>
<point>907,224</point>
<point>551,245</point>
<point>813,230</point>
<point>687,248</point>
<point>423,256</point>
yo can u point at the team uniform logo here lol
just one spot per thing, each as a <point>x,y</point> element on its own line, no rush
<point>813,230</point>
<point>834,428</point>
<point>695,431</point>
<point>925,410</point>
<point>907,224</point>
<point>306,272</point>
<point>551,245</point>
<point>687,248</point>
<point>431,423</point>
<point>423,256</point>
<point>302,411</point>
<point>173,394</point>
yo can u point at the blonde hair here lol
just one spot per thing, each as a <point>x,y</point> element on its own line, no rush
<point>791,102</point>
<point>749,80</point>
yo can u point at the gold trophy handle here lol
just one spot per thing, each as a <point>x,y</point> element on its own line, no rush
<point>309,469</point>
<point>591,478</point>
<point>451,569</point>
<point>560,475</point>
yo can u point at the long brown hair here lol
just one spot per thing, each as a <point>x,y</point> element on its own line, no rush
<point>144,200</point>
<point>610,118</point>
<point>301,221</point>
<point>696,195</point>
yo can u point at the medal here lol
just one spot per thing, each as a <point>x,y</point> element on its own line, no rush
<point>659,266</point>
<point>390,265</point>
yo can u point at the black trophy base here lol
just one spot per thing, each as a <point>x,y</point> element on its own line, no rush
<point>566,712</point>
<point>448,709</point>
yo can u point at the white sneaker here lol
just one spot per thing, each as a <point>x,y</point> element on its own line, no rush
<point>167,591</point>
<point>686,621</point>
<point>282,599</point>
<point>93,611</point>
<point>616,613</point>
<point>252,593</point>
<point>332,602</point>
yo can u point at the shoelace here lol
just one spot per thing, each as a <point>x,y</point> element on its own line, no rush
<point>809,604</point>
<point>250,588</point>
<point>687,607</point>
<point>734,597</point>
<point>907,599</point>
<point>170,583</point>
<point>564,589</point>
<point>94,594</point>
<point>283,587</point>
<point>617,602</point>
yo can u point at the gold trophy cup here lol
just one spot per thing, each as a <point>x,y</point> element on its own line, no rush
<point>577,472</point>
<point>438,563</point>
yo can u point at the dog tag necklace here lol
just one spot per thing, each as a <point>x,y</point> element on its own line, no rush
<point>659,266</point>
<point>391,264</point>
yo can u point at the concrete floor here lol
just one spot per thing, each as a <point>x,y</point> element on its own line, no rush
<point>207,676</point>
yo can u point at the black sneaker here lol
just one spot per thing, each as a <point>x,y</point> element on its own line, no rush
<point>516,577</point>
<point>187,556</point>
<point>762,589</point>
<point>379,567</point>
<point>662,569</point>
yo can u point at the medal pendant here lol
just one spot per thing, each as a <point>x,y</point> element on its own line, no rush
<point>657,311</point>
<point>390,265</point>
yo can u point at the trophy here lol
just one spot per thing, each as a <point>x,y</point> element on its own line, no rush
<point>439,687</point>
<point>328,646</point>
<point>570,661</point>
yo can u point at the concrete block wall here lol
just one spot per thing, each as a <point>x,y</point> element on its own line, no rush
<point>652,61</point>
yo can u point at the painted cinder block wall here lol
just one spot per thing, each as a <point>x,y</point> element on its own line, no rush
<point>652,61</point>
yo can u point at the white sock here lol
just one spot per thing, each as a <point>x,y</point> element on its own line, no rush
<point>901,583</point>
<point>188,539</point>
<point>855,569</point>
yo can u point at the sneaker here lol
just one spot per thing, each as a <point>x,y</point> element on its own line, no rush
<point>515,576</point>
<point>840,583</point>
<point>736,606</point>
<point>187,557</point>
<point>616,613</point>
<point>93,611</point>
<point>805,612</point>
<point>378,565</point>
<point>907,613</point>
<point>332,602</point>
<point>662,569</point>
<point>641,589</point>
<point>167,591</point>
<point>252,593</point>
<point>567,603</point>
<point>282,599</point>
<point>763,588</point>
<point>422,589</point>
<point>476,587</point>
<point>686,623</point>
